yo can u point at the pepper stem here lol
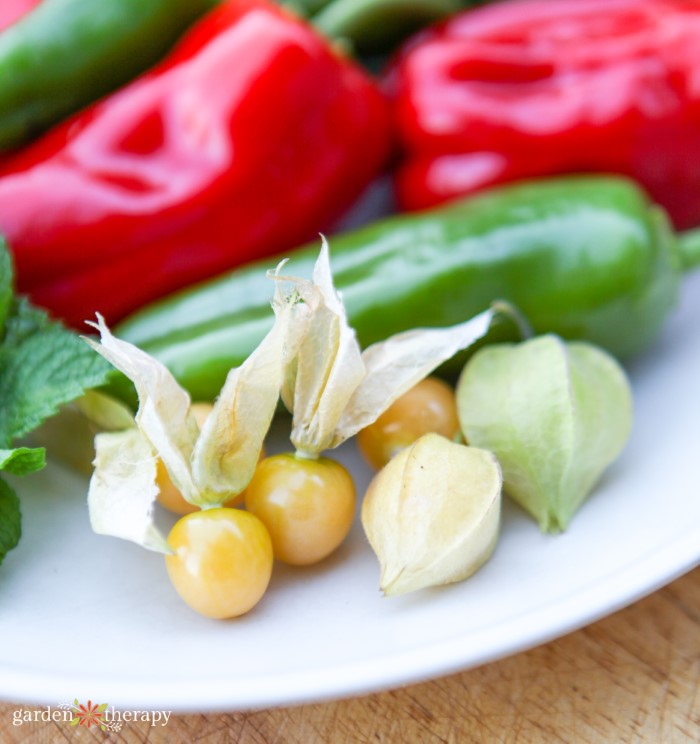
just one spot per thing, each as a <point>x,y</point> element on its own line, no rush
<point>689,243</point>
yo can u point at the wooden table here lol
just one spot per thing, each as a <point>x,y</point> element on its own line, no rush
<point>632,677</point>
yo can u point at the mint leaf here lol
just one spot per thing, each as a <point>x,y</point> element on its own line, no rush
<point>10,527</point>
<point>6,277</point>
<point>22,460</point>
<point>42,366</point>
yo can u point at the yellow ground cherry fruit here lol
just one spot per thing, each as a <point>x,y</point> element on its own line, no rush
<point>222,561</point>
<point>427,408</point>
<point>168,495</point>
<point>307,506</point>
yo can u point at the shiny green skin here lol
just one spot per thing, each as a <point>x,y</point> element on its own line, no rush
<point>587,258</point>
<point>380,25</point>
<point>375,26</point>
<point>65,54</point>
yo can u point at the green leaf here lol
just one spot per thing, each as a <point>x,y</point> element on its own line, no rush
<point>103,708</point>
<point>6,277</point>
<point>10,521</point>
<point>22,460</point>
<point>42,366</point>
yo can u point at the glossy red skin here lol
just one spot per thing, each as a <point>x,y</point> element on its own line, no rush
<point>526,88</point>
<point>12,10</point>
<point>250,138</point>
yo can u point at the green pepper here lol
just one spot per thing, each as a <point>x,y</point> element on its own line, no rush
<point>379,25</point>
<point>375,26</point>
<point>583,257</point>
<point>66,53</point>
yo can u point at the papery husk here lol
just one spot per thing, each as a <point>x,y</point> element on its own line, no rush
<point>123,489</point>
<point>228,448</point>
<point>104,412</point>
<point>164,415</point>
<point>327,367</point>
<point>396,365</point>
<point>208,468</point>
<point>332,388</point>
<point>555,413</point>
<point>432,514</point>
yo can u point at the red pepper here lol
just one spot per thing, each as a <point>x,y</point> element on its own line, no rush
<point>250,138</point>
<point>531,87</point>
<point>12,10</point>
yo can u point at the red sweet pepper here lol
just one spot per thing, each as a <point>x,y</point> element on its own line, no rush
<point>12,10</point>
<point>526,88</point>
<point>246,141</point>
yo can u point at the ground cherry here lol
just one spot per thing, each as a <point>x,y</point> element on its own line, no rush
<point>427,408</point>
<point>307,506</point>
<point>222,561</point>
<point>168,495</point>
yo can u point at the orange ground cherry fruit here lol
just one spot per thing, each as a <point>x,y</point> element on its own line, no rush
<point>307,505</point>
<point>427,408</point>
<point>222,561</point>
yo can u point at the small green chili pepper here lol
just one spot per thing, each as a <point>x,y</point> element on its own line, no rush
<point>378,25</point>
<point>66,53</point>
<point>375,26</point>
<point>583,257</point>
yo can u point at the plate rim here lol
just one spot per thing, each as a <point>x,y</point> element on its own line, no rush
<point>667,562</point>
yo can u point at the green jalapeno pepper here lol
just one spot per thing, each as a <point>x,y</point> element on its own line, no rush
<point>583,257</point>
<point>375,26</point>
<point>64,54</point>
<point>378,25</point>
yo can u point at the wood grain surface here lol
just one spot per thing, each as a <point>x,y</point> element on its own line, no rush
<point>632,677</point>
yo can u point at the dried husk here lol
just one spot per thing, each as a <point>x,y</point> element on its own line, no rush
<point>326,368</point>
<point>164,415</point>
<point>207,467</point>
<point>332,388</point>
<point>123,489</point>
<point>104,412</point>
<point>432,513</point>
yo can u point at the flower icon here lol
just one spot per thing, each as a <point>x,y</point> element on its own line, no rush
<point>87,715</point>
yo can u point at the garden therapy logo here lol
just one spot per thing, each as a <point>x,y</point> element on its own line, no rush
<point>92,715</point>
<point>99,715</point>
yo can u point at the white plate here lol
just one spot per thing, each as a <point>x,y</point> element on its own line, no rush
<point>93,617</point>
